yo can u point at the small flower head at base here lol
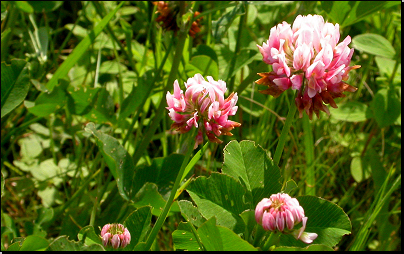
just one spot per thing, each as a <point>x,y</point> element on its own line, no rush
<point>281,213</point>
<point>115,235</point>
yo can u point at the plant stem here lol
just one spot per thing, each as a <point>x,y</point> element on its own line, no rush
<point>309,153</point>
<point>167,207</point>
<point>159,113</point>
<point>285,131</point>
<point>272,240</point>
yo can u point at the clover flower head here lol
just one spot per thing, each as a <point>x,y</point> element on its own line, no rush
<point>202,106</point>
<point>115,235</point>
<point>282,213</point>
<point>307,57</point>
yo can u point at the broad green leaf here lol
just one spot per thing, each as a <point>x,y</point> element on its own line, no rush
<point>191,213</point>
<point>222,196</point>
<point>351,111</point>
<point>386,67</point>
<point>204,65</point>
<point>374,44</point>
<point>290,186</point>
<point>34,243</point>
<point>80,49</point>
<point>184,238</point>
<point>311,247</point>
<point>80,100</point>
<point>245,57</point>
<point>63,244</point>
<point>48,102</point>
<point>205,50</point>
<point>137,97</point>
<point>248,217</point>
<point>386,107</point>
<point>88,236</point>
<point>14,247</point>
<point>347,13</point>
<point>104,109</point>
<point>253,168</point>
<point>138,224</point>
<point>47,6</point>
<point>359,171</point>
<point>149,195</point>
<point>117,158</point>
<point>325,218</point>
<point>220,26</point>
<point>163,172</point>
<point>14,84</point>
<point>218,238</point>
<point>24,6</point>
<point>112,67</point>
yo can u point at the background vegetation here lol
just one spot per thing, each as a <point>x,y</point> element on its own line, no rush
<point>113,63</point>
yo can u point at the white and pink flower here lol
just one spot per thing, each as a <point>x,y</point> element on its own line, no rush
<point>204,107</point>
<point>308,58</point>
<point>115,235</point>
<point>281,213</point>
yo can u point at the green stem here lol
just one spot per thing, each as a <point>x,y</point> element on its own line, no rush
<point>309,152</point>
<point>285,131</point>
<point>167,207</point>
<point>237,50</point>
<point>273,239</point>
<point>159,113</point>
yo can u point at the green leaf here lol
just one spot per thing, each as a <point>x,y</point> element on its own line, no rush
<point>386,107</point>
<point>80,49</point>
<point>386,67</point>
<point>117,158</point>
<point>219,195</point>
<point>47,6</point>
<point>205,50</point>
<point>137,97</point>
<point>253,168</point>
<point>325,218</point>
<point>104,109</point>
<point>34,243</point>
<point>290,186</point>
<point>184,238</point>
<point>220,26</point>
<point>14,84</point>
<point>359,171</point>
<point>24,6</point>
<point>14,247</point>
<point>311,247</point>
<point>112,67</point>
<point>80,100</point>
<point>351,111</point>
<point>162,171</point>
<point>347,13</point>
<point>138,224</point>
<point>204,65</point>
<point>63,244</point>
<point>88,236</point>
<point>191,213</point>
<point>48,103</point>
<point>374,44</point>
<point>218,238</point>
<point>245,57</point>
<point>149,195</point>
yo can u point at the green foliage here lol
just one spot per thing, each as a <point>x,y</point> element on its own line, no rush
<point>90,142</point>
<point>14,84</point>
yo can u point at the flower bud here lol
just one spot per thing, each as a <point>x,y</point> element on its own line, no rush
<point>115,235</point>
